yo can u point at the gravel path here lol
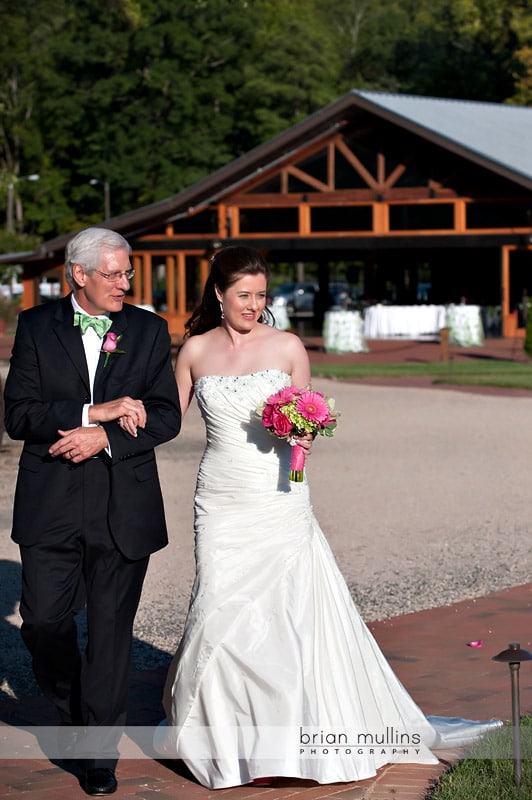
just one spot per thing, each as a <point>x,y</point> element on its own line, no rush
<point>424,495</point>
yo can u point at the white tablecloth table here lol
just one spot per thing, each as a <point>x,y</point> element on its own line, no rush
<point>465,325</point>
<point>280,315</point>
<point>410,322</point>
<point>343,332</point>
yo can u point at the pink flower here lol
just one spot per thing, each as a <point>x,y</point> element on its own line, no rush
<point>274,419</point>
<point>293,410</point>
<point>286,395</point>
<point>111,343</point>
<point>313,407</point>
<point>477,643</point>
<point>267,415</point>
<point>280,423</point>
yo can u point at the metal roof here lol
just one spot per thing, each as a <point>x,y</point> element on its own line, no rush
<point>489,133</point>
<point>494,135</point>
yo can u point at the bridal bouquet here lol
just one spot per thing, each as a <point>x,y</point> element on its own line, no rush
<point>293,412</point>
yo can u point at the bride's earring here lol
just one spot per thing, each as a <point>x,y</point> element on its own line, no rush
<point>222,315</point>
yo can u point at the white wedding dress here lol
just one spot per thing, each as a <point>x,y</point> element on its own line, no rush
<point>276,673</point>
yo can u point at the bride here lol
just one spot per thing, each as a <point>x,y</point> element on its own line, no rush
<point>276,673</point>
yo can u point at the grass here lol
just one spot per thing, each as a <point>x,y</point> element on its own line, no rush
<point>503,374</point>
<point>488,772</point>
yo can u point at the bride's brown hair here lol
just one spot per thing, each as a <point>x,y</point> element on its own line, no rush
<point>227,266</point>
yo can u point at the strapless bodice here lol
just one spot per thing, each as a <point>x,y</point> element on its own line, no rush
<point>238,448</point>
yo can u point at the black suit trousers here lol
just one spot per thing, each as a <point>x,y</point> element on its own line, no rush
<point>76,564</point>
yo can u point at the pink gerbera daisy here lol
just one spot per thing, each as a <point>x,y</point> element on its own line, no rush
<point>313,407</point>
<point>285,395</point>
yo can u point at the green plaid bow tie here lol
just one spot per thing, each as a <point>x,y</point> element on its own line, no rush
<point>101,326</point>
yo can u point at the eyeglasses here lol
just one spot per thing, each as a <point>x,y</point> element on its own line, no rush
<point>114,277</point>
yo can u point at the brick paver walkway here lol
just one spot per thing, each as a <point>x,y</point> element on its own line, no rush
<point>428,651</point>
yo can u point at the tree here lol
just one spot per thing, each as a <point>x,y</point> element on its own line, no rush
<point>168,92</point>
<point>366,33</point>
<point>521,24</point>
<point>292,70</point>
<point>149,96</point>
<point>24,34</point>
<point>460,49</point>
<point>452,48</point>
<point>146,101</point>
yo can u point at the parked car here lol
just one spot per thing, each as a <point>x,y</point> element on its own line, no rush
<point>296,297</point>
<point>342,295</point>
<point>299,297</point>
<point>158,299</point>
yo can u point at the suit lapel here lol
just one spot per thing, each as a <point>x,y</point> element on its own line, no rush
<point>104,367</point>
<point>70,338</point>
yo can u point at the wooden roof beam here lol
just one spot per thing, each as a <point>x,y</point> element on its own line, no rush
<point>303,176</point>
<point>357,165</point>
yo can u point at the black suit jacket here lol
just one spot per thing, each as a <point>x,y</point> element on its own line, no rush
<point>46,388</point>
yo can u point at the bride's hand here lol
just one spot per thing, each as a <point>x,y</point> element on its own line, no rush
<point>128,424</point>
<point>305,441</point>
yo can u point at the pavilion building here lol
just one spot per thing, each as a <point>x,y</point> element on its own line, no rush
<point>408,199</point>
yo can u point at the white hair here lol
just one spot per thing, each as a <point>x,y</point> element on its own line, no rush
<point>86,249</point>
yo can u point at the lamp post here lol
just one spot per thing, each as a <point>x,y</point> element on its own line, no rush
<point>11,198</point>
<point>513,657</point>
<point>106,195</point>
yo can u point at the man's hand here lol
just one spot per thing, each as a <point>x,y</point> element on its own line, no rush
<point>130,413</point>
<point>79,444</point>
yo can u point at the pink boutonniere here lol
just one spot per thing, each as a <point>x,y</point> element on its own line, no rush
<point>110,346</point>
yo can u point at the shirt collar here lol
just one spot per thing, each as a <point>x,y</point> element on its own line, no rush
<point>76,306</point>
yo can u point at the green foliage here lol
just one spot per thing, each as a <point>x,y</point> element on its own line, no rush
<point>152,95</point>
<point>16,243</point>
<point>521,23</point>
<point>292,70</point>
<point>504,374</point>
<point>488,771</point>
<point>453,48</point>
<point>13,243</point>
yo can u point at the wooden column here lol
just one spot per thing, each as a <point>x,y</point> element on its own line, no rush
<point>147,280</point>
<point>381,218</point>
<point>235,222</point>
<point>509,321</point>
<point>170,284</point>
<point>304,219</point>
<point>460,219</point>
<point>181,284</point>
<point>30,292</point>
<point>204,271</point>
<point>222,221</point>
<point>136,262</point>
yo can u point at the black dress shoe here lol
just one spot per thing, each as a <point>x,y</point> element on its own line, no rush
<point>99,780</point>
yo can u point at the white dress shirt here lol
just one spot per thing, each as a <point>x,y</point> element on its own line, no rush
<point>92,344</point>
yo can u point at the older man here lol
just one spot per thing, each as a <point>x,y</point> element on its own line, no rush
<point>91,392</point>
